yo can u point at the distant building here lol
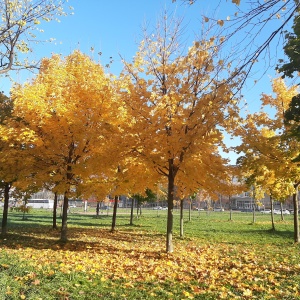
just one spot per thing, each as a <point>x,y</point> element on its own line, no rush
<point>244,201</point>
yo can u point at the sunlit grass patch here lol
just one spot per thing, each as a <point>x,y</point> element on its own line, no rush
<point>218,259</point>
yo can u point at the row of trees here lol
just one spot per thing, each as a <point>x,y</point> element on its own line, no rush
<point>271,143</point>
<point>75,129</point>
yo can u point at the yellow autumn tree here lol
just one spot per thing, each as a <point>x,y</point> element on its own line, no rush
<point>269,155</point>
<point>15,162</point>
<point>71,108</point>
<point>179,102</point>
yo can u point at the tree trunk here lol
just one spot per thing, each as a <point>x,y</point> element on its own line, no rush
<point>253,217</point>
<point>281,211</point>
<point>137,209</point>
<point>230,209</point>
<point>97,209</point>
<point>190,210</point>
<point>7,187</point>
<point>171,181</point>
<point>296,213</point>
<point>181,218</point>
<point>131,211</point>
<point>272,213</point>
<point>114,217</point>
<point>64,221</point>
<point>54,217</point>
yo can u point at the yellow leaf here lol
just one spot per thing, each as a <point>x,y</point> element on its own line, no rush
<point>247,293</point>
<point>36,282</point>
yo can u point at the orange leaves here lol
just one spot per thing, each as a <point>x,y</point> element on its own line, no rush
<point>71,114</point>
<point>269,155</point>
<point>136,258</point>
<point>178,110</point>
<point>221,22</point>
<point>237,2</point>
<point>283,95</point>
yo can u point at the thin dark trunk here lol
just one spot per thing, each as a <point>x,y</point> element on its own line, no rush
<point>190,210</point>
<point>97,209</point>
<point>296,214</point>
<point>181,218</point>
<point>131,211</point>
<point>137,209</point>
<point>7,187</point>
<point>114,217</point>
<point>253,216</point>
<point>54,218</point>
<point>171,181</point>
<point>64,221</point>
<point>272,213</point>
<point>230,209</point>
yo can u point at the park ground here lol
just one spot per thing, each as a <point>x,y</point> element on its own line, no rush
<point>216,259</point>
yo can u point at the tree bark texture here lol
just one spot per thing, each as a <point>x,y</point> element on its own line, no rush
<point>131,211</point>
<point>7,187</point>
<point>190,210</point>
<point>64,221</point>
<point>171,186</point>
<point>253,216</point>
<point>272,213</point>
<point>114,217</point>
<point>97,209</point>
<point>54,217</point>
<point>181,218</point>
<point>296,216</point>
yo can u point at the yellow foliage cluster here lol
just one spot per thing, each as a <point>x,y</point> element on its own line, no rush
<point>68,115</point>
<point>161,120</point>
<point>269,156</point>
<point>178,109</point>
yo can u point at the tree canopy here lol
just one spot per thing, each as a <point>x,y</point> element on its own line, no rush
<point>179,103</point>
<point>72,113</point>
<point>269,156</point>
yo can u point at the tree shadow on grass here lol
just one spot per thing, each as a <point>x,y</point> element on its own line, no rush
<point>80,220</point>
<point>288,234</point>
<point>99,240</point>
<point>263,236</point>
<point>244,234</point>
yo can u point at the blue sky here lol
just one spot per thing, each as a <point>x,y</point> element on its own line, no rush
<point>115,27</point>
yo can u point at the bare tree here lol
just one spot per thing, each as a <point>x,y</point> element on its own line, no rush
<point>18,24</point>
<point>256,28</point>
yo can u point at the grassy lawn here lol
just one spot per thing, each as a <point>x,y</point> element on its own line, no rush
<point>217,259</point>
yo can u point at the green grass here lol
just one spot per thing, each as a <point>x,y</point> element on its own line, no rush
<point>33,265</point>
